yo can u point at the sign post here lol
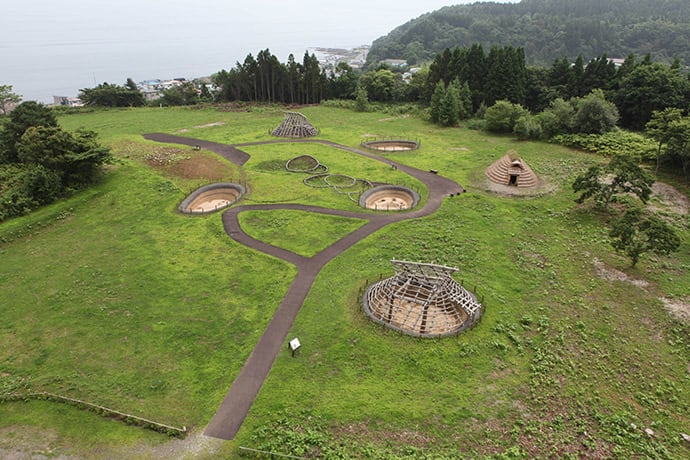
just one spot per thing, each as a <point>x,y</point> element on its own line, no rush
<point>294,345</point>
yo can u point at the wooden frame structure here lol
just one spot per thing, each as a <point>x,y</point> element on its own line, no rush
<point>422,300</point>
<point>295,125</point>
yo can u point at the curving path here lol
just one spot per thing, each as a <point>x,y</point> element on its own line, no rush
<point>229,417</point>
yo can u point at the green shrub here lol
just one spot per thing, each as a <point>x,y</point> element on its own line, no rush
<point>502,116</point>
<point>613,143</point>
<point>527,127</point>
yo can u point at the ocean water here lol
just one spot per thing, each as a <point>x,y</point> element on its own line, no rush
<point>54,48</point>
<point>50,48</point>
<point>42,67</point>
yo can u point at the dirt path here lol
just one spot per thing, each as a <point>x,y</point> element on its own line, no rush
<point>231,414</point>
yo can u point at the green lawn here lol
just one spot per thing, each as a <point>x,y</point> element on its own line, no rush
<point>115,298</point>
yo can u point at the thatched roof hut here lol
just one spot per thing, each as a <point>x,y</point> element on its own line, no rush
<point>511,170</point>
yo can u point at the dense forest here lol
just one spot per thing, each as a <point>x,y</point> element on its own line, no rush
<point>547,30</point>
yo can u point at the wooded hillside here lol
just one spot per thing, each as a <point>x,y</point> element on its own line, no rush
<point>548,30</point>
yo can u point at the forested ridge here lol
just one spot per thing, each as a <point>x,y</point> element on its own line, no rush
<point>547,30</point>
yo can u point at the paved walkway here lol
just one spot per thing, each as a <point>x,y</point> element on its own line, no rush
<point>231,414</point>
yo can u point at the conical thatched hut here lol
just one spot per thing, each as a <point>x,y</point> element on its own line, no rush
<point>295,125</point>
<point>511,170</point>
<point>421,300</point>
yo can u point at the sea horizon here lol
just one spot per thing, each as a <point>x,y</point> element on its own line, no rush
<point>108,65</point>
<point>57,48</point>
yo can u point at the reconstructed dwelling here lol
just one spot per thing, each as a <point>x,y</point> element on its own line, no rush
<point>511,170</point>
<point>295,125</point>
<point>422,300</point>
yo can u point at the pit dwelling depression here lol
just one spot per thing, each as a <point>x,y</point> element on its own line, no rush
<point>210,198</point>
<point>389,198</point>
<point>397,145</point>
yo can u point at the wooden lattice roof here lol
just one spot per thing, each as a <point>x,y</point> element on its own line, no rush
<point>422,300</point>
<point>295,125</point>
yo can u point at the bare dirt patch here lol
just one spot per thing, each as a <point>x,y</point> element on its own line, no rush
<point>188,164</point>
<point>407,115</point>
<point>679,308</point>
<point>166,156</point>
<point>667,198</point>
<point>499,189</point>
<point>612,274</point>
<point>208,125</point>
<point>25,442</point>
<point>199,166</point>
<point>195,445</point>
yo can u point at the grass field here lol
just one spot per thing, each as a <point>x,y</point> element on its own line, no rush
<point>115,298</point>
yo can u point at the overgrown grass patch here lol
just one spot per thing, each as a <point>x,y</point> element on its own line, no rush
<point>131,305</point>
<point>286,229</point>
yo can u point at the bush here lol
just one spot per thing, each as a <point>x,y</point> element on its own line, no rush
<point>502,116</point>
<point>527,127</point>
<point>339,103</point>
<point>558,118</point>
<point>595,115</point>
<point>476,124</point>
<point>610,144</point>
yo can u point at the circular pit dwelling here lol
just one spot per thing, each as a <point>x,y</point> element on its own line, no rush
<point>389,198</point>
<point>391,145</point>
<point>210,198</point>
<point>422,300</point>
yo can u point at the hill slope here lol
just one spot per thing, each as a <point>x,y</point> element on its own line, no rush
<point>547,30</point>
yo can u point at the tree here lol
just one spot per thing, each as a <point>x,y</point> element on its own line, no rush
<point>111,95</point>
<point>559,77</point>
<point>474,73</point>
<point>205,94</point>
<point>41,184</point>
<point>506,75</point>
<point>538,93</point>
<point>595,115</point>
<point>183,94</point>
<point>382,85</point>
<point>502,116</point>
<point>635,234</point>
<point>650,87</point>
<point>24,116</point>
<point>76,159</point>
<point>465,100</point>
<point>342,82</point>
<point>8,99</point>
<point>449,115</point>
<point>576,74</point>
<point>558,118</point>
<point>527,127</point>
<point>678,146</point>
<point>600,73</point>
<point>622,175</point>
<point>362,101</point>
<point>46,161</point>
<point>437,101</point>
<point>659,128</point>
